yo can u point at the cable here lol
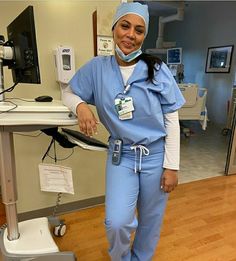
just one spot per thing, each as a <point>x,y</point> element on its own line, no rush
<point>53,143</point>
<point>48,149</point>
<point>10,88</point>
<point>58,201</point>
<point>12,98</point>
<point>59,194</point>
<point>15,106</point>
<point>55,152</point>
<point>3,226</point>
<point>55,160</point>
<point>59,137</point>
<point>62,159</point>
<point>27,135</point>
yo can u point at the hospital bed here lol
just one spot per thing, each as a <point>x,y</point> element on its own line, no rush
<point>195,107</point>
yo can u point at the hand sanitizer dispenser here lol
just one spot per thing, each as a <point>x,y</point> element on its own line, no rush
<point>65,63</point>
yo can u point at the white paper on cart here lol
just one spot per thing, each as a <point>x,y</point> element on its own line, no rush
<point>55,178</point>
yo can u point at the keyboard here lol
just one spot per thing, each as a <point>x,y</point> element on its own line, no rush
<point>80,136</point>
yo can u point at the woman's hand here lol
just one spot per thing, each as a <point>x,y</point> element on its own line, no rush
<point>169,180</point>
<point>87,120</point>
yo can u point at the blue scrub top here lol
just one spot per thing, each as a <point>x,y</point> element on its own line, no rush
<point>100,81</point>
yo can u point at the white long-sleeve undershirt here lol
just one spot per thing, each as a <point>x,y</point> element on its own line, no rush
<point>172,139</point>
<point>70,99</point>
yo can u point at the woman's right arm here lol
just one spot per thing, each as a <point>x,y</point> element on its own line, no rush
<point>86,119</point>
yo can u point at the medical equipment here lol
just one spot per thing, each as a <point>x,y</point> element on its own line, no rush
<point>65,63</point>
<point>174,56</point>
<point>174,62</point>
<point>195,106</point>
<point>19,53</point>
<point>30,239</point>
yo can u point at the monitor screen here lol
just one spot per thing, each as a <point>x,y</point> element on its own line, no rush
<point>174,56</point>
<point>22,38</point>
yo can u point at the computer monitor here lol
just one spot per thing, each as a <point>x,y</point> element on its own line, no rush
<point>174,56</point>
<point>22,38</point>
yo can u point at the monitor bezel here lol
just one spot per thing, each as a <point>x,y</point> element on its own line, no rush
<point>22,38</point>
<point>180,55</point>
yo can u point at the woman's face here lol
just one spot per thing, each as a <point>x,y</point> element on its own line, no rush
<point>129,33</point>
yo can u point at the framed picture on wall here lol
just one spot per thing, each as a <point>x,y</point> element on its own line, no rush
<point>219,59</point>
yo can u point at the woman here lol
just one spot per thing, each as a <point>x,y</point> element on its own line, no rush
<point>137,100</point>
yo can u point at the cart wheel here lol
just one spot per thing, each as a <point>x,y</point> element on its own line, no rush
<point>186,132</point>
<point>60,230</point>
<point>225,132</point>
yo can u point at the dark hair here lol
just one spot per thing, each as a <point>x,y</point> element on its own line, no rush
<point>151,61</point>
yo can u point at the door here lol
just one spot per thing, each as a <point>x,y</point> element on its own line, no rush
<point>230,166</point>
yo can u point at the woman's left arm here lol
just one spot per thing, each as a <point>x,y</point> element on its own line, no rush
<point>172,152</point>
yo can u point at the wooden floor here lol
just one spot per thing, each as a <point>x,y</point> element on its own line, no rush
<point>199,225</point>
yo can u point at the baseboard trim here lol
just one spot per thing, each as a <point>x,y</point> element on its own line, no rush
<point>62,209</point>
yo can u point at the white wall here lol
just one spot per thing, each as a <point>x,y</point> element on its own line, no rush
<point>66,23</point>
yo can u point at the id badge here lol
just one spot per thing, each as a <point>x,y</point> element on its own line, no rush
<point>124,106</point>
<point>126,116</point>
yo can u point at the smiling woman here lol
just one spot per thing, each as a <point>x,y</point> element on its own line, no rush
<point>137,99</point>
<point>128,34</point>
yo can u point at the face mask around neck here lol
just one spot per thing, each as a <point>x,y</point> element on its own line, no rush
<point>129,57</point>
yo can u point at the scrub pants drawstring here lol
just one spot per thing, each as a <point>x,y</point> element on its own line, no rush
<point>142,150</point>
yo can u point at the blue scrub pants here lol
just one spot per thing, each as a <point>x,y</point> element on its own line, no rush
<point>126,191</point>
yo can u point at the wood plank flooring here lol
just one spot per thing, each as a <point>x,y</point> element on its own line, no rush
<point>199,225</point>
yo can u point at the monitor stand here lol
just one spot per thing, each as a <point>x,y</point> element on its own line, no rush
<point>1,78</point>
<point>30,239</point>
<point>34,243</point>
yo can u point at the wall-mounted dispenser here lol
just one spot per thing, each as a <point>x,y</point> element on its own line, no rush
<point>65,63</point>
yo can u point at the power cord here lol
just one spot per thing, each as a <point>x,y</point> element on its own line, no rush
<point>11,109</point>
<point>10,88</point>
<point>59,225</point>
<point>59,195</point>
<point>55,158</point>
<point>53,142</point>
<point>27,135</point>
<point>13,98</point>
<point>59,137</point>
<point>7,100</point>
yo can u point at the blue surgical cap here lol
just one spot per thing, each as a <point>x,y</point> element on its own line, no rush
<point>132,8</point>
